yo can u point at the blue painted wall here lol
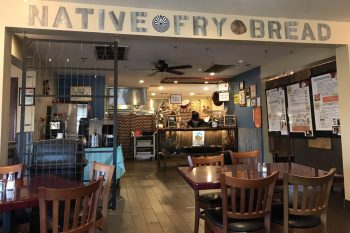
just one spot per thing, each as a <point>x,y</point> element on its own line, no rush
<point>97,88</point>
<point>244,114</point>
<point>249,137</point>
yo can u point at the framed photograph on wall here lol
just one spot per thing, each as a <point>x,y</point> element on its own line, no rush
<point>175,98</point>
<point>29,99</point>
<point>241,85</point>
<point>230,120</point>
<point>242,100</point>
<point>80,93</point>
<point>253,91</point>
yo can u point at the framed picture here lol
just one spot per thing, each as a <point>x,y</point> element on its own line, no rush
<point>230,120</point>
<point>175,98</point>
<point>253,91</point>
<point>198,138</point>
<point>241,85</point>
<point>242,100</point>
<point>29,99</point>
<point>172,121</point>
<point>80,93</point>
<point>253,102</point>
<point>247,92</point>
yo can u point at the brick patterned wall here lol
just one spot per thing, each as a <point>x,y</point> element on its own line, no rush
<point>131,122</point>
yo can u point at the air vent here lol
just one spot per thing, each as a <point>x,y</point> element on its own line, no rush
<point>106,53</point>
<point>217,68</point>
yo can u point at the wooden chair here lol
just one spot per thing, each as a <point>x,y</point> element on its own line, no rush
<point>305,202</point>
<point>106,172</point>
<point>246,205</point>
<point>206,200</point>
<point>246,157</point>
<point>18,169</point>
<point>80,219</point>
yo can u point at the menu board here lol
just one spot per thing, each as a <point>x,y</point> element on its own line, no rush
<point>276,108</point>
<point>299,108</point>
<point>326,101</point>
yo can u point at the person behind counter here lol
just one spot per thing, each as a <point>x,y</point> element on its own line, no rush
<point>195,120</point>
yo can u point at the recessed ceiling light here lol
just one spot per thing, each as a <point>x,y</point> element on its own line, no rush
<point>206,82</point>
<point>240,61</point>
<point>160,87</point>
<point>153,94</point>
<point>192,94</point>
<point>200,69</point>
<point>212,73</point>
<point>50,59</point>
<point>67,59</point>
<point>175,81</point>
<point>141,81</point>
<point>206,88</point>
<point>95,76</point>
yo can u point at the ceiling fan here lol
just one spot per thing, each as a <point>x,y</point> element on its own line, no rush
<point>161,66</point>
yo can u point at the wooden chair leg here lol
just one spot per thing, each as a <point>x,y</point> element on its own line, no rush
<point>196,211</point>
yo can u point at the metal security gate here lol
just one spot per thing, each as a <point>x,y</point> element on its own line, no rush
<point>67,106</point>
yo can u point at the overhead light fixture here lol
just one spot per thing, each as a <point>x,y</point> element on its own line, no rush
<point>95,76</point>
<point>240,61</point>
<point>200,69</point>
<point>50,59</point>
<point>153,94</point>
<point>141,81</point>
<point>175,81</point>
<point>212,73</point>
<point>67,60</point>
<point>191,94</point>
<point>160,87</point>
<point>206,88</point>
<point>206,82</point>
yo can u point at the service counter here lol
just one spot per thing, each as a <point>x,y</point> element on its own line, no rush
<point>174,142</point>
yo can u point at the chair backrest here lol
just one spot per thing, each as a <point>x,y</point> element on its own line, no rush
<point>98,170</point>
<point>306,195</point>
<point>246,157</point>
<point>208,160</point>
<point>83,199</point>
<point>17,169</point>
<point>254,195</point>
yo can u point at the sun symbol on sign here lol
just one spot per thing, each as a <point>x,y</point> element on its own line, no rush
<point>160,23</point>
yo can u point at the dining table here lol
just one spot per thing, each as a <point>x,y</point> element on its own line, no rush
<point>208,177</point>
<point>25,195</point>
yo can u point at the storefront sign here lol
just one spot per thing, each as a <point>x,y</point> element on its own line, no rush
<point>123,20</point>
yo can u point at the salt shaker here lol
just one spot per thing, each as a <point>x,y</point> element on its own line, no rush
<point>10,185</point>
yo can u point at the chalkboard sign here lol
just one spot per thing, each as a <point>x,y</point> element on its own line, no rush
<point>231,120</point>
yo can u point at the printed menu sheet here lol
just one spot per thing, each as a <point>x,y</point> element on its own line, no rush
<point>276,108</point>
<point>299,108</point>
<point>326,101</point>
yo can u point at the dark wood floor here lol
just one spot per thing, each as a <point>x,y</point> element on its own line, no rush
<point>154,200</point>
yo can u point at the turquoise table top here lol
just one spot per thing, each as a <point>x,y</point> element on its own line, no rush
<point>104,155</point>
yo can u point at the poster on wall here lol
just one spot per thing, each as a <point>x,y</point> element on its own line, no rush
<point>198,138</point>
<point>326,102</point>
<point>276,108</point>
<point>299,108</point>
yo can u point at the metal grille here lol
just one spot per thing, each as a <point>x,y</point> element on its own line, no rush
<point>63,108</point>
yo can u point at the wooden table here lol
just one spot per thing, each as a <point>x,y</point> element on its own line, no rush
<point>26,195</point>
<point>208,177</point>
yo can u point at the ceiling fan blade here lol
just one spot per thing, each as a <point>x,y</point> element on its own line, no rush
<point>152,74</point>
<point>175,72</point>
<point>180,67</point>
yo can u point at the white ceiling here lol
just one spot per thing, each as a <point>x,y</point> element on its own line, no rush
<point>336,10</point>
<point>145,51</point>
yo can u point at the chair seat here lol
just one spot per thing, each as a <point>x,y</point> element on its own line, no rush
<point>236,225</point>
<point>213,198</point>
<point>295,221</point>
